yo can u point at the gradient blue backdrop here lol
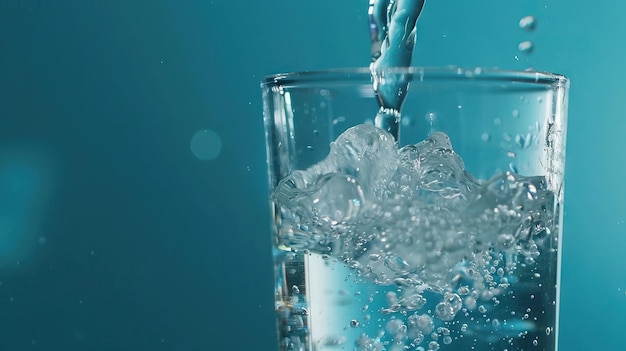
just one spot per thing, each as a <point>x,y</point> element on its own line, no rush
<point>114,236</point>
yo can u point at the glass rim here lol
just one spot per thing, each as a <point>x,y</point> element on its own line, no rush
<point>426,74</point>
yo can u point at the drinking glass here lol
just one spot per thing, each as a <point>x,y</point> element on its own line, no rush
<point>460,252</point>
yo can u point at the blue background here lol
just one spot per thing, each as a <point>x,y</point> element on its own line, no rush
<point>114,236</point>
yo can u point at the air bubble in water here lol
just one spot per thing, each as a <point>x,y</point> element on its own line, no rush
<point>464,290</point>
<point>470,302</point>
<point>528,23</point>
<point>431,117</point>
<point>433,346</point>
<point>525,46</point>
<point>375,257</point>
<point>338,120</point>
<point>422,323</point>
<point>448,308</point>
<point>394,326</point>
<point>354,323</point>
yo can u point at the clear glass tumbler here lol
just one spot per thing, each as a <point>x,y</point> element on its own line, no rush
<point>447,238</point>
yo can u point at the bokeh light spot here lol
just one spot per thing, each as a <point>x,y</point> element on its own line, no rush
<point>206,144</point>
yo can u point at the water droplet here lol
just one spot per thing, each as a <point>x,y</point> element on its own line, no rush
<point>206,144</point>
<point>447,340</point>
<point>535,342</point>
<point>525,46</point>
<point>354,323</point>
<point>528,23</point>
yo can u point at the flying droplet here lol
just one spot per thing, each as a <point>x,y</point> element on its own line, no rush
<point>526,47</point>
<point>528,23</point>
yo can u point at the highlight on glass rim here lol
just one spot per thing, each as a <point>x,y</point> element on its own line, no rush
<point>416,208</point>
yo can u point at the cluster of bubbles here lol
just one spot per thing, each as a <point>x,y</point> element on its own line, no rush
<point>412,216</point>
